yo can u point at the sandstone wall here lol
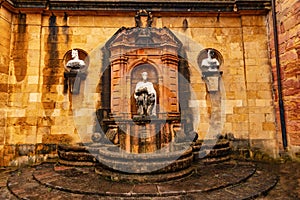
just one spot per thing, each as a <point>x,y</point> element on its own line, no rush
<point>248,109</point>
<point>39,115</point>
<point>288,12</point>
<point>5,38</point>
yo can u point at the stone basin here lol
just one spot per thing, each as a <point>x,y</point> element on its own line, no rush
<point>173,158</point>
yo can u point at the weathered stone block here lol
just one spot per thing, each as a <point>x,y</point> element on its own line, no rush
<point>269,126</point>
<point>57,139</point>
<point>253,21</point>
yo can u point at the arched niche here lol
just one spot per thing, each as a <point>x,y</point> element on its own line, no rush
<point>127,53</point>
<point>203,55</point>
<point>136,77</point>
<point>75,70</point>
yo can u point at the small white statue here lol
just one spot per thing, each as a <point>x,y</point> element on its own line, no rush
<point>75,65</point>
<point>75,71</point>
<point>211,73</point>
<point>210,63</point>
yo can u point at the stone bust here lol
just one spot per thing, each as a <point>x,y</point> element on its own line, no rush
<point>145,96</point>
<point>210,63</point>
<point>75,64</point>
<point>211,73</point>
<point>75,71</point>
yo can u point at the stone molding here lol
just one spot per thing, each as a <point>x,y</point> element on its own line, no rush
<point>154,5</point>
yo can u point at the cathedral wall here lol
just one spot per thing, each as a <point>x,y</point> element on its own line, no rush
<point>5,46</point>
<point>38,115</point>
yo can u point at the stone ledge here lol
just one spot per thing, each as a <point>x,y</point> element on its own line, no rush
<point>154,5</point>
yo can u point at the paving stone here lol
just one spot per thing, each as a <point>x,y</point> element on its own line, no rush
<point>5,194</point>
<point>120,189</point>
<point>146,189</point>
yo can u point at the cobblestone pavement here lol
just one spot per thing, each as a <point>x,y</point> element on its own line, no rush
<point>232,180</point>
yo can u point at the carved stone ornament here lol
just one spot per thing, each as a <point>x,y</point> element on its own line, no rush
<point>143,19</point>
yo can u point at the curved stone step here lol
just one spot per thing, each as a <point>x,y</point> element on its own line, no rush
<point>157,166</point>
<point>78,155</point>
<point>143,178</point>
<point>88,148</point>
<point>22,185</point>
<point>209,151</point>
<point>212,151</point>
<point>72,148</point>
<point>76,163</point>
<point>257,185</point>
<point>221,181</point>
<point>215,160</point>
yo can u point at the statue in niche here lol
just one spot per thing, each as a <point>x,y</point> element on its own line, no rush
<point>145,96</point>
<point>210,63</point>
<point>211,73</point>
<point>75,71</point>
<point>75,65</point>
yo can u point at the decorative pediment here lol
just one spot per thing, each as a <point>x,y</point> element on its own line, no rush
<point>129,39</point>
<point>152,37</point>
<point>142,36</point>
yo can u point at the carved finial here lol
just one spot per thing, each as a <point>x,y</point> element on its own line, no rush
<point>143,19</point>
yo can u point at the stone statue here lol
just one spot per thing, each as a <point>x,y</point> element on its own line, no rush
<point>75,71</point>
<point>145,96</point>
<point>210,63</point>
<point>75,64</point>
<point>211,73</point>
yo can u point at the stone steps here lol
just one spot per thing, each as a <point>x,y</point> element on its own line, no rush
<point>227,180</point>
<point>212,151</point>
<point>208,151</point>
<point>78,155</point>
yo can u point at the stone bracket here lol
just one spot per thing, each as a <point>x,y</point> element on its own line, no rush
<point>212,79</point>
<point>72,81</point>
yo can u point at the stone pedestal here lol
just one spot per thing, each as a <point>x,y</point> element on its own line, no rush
<point>212,79</point>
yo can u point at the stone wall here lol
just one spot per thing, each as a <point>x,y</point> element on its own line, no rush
<point>5,38</point>
<point>37,115</point>
<point>288,23</point>
<point>258,80</point>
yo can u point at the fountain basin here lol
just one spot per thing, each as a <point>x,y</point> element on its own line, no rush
<point>165,164</point>
<point>168,159</point>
